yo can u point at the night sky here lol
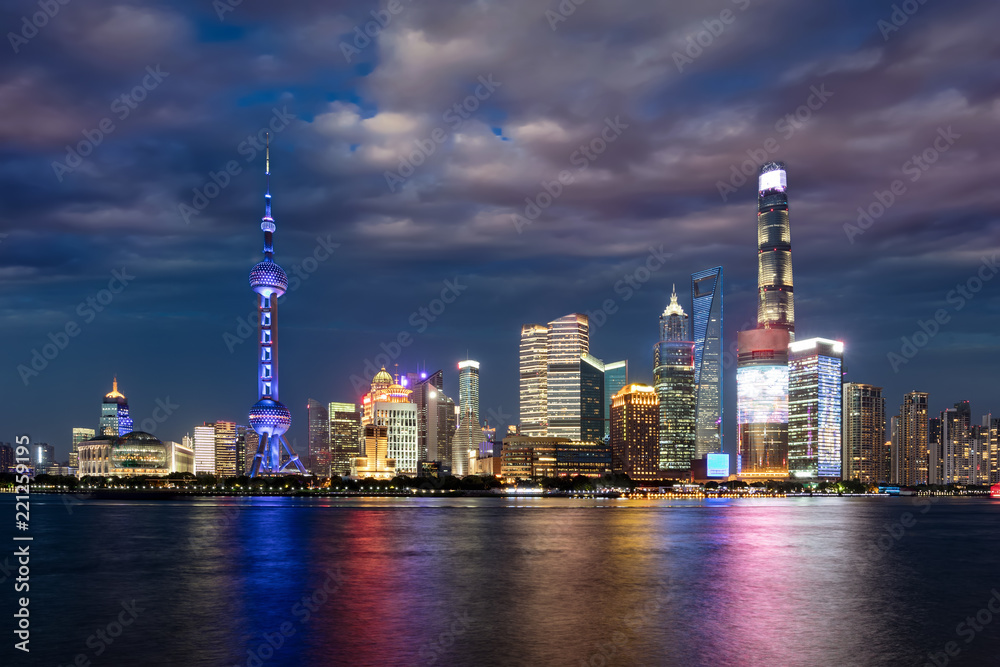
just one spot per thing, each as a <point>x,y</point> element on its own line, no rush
<point>96,183</point>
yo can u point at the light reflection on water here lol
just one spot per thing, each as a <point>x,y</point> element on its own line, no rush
<point>513,581</point>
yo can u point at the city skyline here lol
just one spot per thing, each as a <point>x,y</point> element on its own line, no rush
<point>440,283</point>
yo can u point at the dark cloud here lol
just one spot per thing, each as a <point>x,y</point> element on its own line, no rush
<point>690,124</point>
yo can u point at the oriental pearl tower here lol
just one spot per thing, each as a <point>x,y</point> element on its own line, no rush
<point>269,417</point>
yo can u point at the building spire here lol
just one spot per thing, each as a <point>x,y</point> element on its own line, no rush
<point>267,222</point>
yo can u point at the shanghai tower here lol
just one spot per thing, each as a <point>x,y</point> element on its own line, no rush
<point>269,417</point>
<point>775,305</point>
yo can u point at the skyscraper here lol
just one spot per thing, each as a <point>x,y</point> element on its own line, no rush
<point>115,420</point>
<point>706,310</point>
<point>673,373</point>
<point>534,354</point>
<point>79,435</point>
<point>935,451</point>
<point>319,438</point>
<point>269,417</point>
<point>864,434</point>
<point>912,443</point>
<point>635,442</point>
<point>345,436</point>
<point>815,414</point>
<point>592,398</point>
<point>468,435</point>
<point>468,388</point>
<point>389,404</point>
<point>958,451</point>
<point>615,377</point>
<point>204,449</point>
<point>225,449</point>
<point>762,403</point>
<point>568,340</point>
<point>775,306</point>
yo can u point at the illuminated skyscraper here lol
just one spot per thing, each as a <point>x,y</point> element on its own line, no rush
<point>775,306</point>
<point>204,449</point>
<point>533,373</point>
<point>468,435</point>
<point>375,462</point>
<point>864,434</point>
<point>592,398</point>
<point>957,447</point>
<point>673,373</point>
<point>79,435</point>
<point>319,438</point>
<point>912,443</point>
<point>635,442</point>
<point>225,449</point>
<point>115,419</point>
<point>762,403</point>
<point>389,404</point>
<point>568,340</point>
<point>615,377</point>
<point>345,436</point>
<point>706,309</point>
<point>269,417</point>
<point>815,414</point>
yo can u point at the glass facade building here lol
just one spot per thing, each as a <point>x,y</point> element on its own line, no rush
<point>345,436</point>
<point>204,449</point>
<point>615,377</point>
<point>568,340</point>
<point>815,415</point>
<point>591,398</point>
<point>706,313</point>
<point>115,420</point>
<point>673,373</point>
<point>319,438</point>
<point>225,449</point>
<point>775,306</point>
<point>865,453</point>
<point>762,404</point>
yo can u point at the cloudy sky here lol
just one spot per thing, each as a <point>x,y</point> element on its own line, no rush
<point>402,158</point>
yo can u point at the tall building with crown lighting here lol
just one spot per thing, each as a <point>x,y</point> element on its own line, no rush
<point>635,442</point>
<point>269,417</point>
<point>815,409</point>
<point>673,373</point>
<point>762,353</point>
<point>115,420</point>
<point>706,313</point>
<point>389,404</point>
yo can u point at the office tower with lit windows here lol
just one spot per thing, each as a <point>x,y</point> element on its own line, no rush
<point>673,373</point>
<point>635,426</point>
<point>762,404</point>
<point>345,436</point>
<point>706,313</point>
<point>79,435</point>
<point>935,451</point>
<point>815,412</point>
<point>319,438</point>
<point>615,377</point>
<point>269,417</point>
<point>912,439</point>
<point>225,449</point>
<point>204,449</point>
<point>241,450</point>
<point>864,434</point>
<point>389,404</point>
<point>592,398</point>
<point>468,435</point>
<point>534,357</point>
<point>775,305</point>
<point>957,449</point>
<point>115,420</point>
<point>568,341</point>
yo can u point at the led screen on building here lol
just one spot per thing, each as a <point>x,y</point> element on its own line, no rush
<point>762,395</point>
<point>717,465</point>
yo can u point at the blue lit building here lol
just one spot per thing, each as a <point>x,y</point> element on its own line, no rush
<point>815,376</point>
<point>706,311</point>
<point>269,417</point>
<point>115,420</point>
<point>615,377</point>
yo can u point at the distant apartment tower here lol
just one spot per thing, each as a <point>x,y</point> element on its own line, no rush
<point>204,449</point>
<point>615,377</point>
<point>762,403</point>
<point>864,434</point>
<point>345,436</point>
<point>815,412</point>
<point>913,440</point>
<point>319,438</point>
<point>673,373</point>
<point>225,449</point>
<point>706,312</point>
<point>635,425</point>
<point>79,435</point>
<point>958,452</point>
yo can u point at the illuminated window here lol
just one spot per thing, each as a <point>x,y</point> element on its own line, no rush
<point>265,318</point>
<point>265,336</point>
